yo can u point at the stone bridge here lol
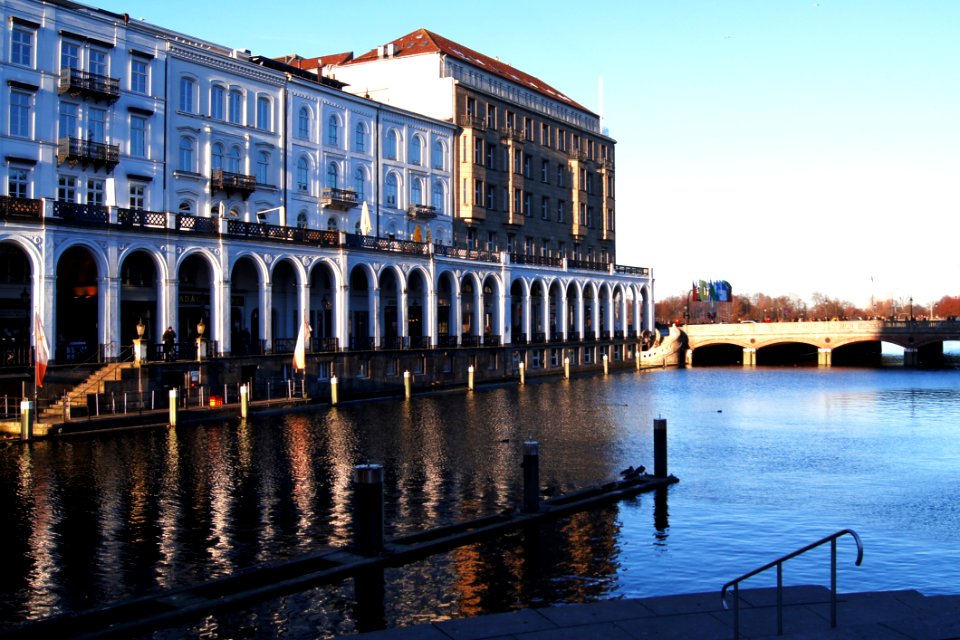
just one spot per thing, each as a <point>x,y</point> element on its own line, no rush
<point>849,341</point>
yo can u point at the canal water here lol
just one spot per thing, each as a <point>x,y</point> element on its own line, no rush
<point>768,459</point>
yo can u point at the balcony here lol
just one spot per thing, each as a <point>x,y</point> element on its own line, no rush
<point>421,212</point>
<point>83,84</point>
<point>12,208</point>
<point>75,151</point>
<point>227,182</point>
<point>473,122</point>
<point>509,133</point>
<point>340,199</point>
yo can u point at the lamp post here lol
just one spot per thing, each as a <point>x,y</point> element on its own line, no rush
<point>200,349</point>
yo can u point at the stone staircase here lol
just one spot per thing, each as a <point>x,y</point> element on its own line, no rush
<point>77,397</point>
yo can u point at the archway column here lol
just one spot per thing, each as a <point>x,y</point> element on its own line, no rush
<point>222,329</point>
<point>432,313</point>
<point>108,315</point>
<point>456,319</point>
<point>341,315</point>
<point>824,357</point>
<point>749,357</point>
<point>266,316</point>
<point>373,301</point>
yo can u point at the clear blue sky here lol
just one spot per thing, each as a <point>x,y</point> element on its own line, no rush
<point>789,147</point>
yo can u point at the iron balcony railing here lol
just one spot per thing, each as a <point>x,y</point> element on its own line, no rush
<point>228,182</point>
<point>86,214</point>
<point>342,199</point>
<point>76,151</point>
<point>778,563</point>
<point>541,261</point>
<point>77,82</point>
<point>12,208</point>
<point>422,211</point>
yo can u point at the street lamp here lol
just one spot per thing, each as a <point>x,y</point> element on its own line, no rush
<point>200,329</point>
<point>139,350</point>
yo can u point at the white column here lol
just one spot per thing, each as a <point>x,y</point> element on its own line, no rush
<point>374,313</point>
<point>266,316</point>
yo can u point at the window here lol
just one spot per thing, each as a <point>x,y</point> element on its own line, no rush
<point>233,160</point>
<point>358,180</point>
<point>95,191</point>
<point>66,189</point>
<point>68,120</point>
<point>478,151</point>
<point>69,55</point>
<point>360,137</point>
<point>416,191</point>
<point>332,224</point>
<point>235,107</point>
<point>216,157</point>
<point>517,161</point>
<point>264,115</point>
<point>491,155</point>
<point>332,130</point>
<point>18,182</point>
<point>21,46</point>
<point>415,150</point>
<point>187,89</point>
<point>527,161</point>
<point>544,171</point>
<point>391,190</point>
<point>491,197</point>
<point>517,201</point>
<point>478,193</point>
<point>492,116</point>
<point>561,210</point>
<point>140,76</point>
<point>437,155</point>
<point>436,197</point>
<point>390,145</point>
<point>217,94</point>
<point>302,219</point>
<point>185,206</point>
<point>303,123</point>
<point>20,116</point>
<point>98,62</point>
<point>471,106</point>
<point>263,167</point>
<point>303,170</point>
<point>544,208</point>
<point>138,196</point>
<point>97,125</point>
<point>138,136</point>
<point>560,174</point>
<point>186,158</point>
<point>527,204</point>
<point>333,176</point>
<point>545,134</point>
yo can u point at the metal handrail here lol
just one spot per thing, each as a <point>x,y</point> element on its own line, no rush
<point>778,563</point>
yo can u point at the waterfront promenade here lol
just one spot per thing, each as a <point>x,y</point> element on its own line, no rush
<point>902,615</point>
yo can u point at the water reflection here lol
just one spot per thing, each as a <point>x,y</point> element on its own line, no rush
<point>100,518</point>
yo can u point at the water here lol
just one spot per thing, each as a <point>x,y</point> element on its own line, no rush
<point>768,460</point>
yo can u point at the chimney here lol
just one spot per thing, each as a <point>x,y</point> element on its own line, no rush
<point>380,51</point>
<point>391,50</point>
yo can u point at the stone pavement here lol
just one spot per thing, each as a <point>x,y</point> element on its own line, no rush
<point>887,615</point>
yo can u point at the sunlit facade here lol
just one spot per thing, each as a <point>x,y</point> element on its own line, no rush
<point>152,178</point>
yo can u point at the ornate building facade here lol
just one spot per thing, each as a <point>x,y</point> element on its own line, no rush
<point>153,179</point>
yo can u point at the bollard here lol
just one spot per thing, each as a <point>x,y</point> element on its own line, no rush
<point>470,377</point>
<point>660,447</point>
<point>368,509</point>
<point>243,401</point>
<point>173,407</point>
<point>606,365</point>
<point>406,384</point>
<point>566,368</point>
<point>334,391</point>
<point>26,419</point>
<point>523,374</point>
<point>531,476</point>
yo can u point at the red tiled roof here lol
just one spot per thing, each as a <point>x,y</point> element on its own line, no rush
<point>423,41</point>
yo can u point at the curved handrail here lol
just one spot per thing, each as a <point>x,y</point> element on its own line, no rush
<point>778,563</point>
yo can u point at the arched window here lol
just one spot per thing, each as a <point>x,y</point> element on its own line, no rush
<point>233,160</point>
<point>360,137</point>
<point>436,197</point>
<point>264,113</point>
<point>390,145</point>
<point>303,171</point>
<point>216,157</point>
<point>332,224</point>
<point>416,191</point>
<point>358,180</point>
<point>235,106</point>
<point>186,160</point>
<point>185,206</point>
<point>188,90</point>
<point>263,167</point>
<point>303,123</point>
<point>391,189</point>
<point>217,95</point>
<point>437,155</point>
<point>332,130</point>
<point>333,176</point>
<point>415,150</point>
<point>302,219</point>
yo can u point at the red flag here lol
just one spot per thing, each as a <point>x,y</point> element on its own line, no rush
<point>43,349</point>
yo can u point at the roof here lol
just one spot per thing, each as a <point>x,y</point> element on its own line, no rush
<point>423,41</point>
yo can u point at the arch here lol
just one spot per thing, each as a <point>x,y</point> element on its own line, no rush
<point>539,318</point>
<point>360,137</point>
<point>359,183</point>
<point>492,309</point>
<point>233,159</point>
<point>324,304</point>
<point>247,275</point>
<point>519,311</point>
<point>391,314</point>
<point>141,273</point>
<point>419,314</point>
<point>391,143</point>
<point>556,314</point>
<point>19,261</point>
<point>80,272</point>
<point>438,155</point>
<point>333,176</point>
<point>437,196</point>
<point>415,150</point>
<point>392,189</point>
<point>333,130</point>
<point>302,175</point>
<point>216,156</point>
<point>286,278</point>
<point>360,320</point>
<point>187,155</point>
<point>304,118</point>
<point>197,273</point>
<point>416,190</point>
<point>470,303</point>
<point>447,290</point>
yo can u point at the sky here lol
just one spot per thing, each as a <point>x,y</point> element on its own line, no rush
<point>790,147</point>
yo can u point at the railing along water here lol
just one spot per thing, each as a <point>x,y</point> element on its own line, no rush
<point>778,563</point>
